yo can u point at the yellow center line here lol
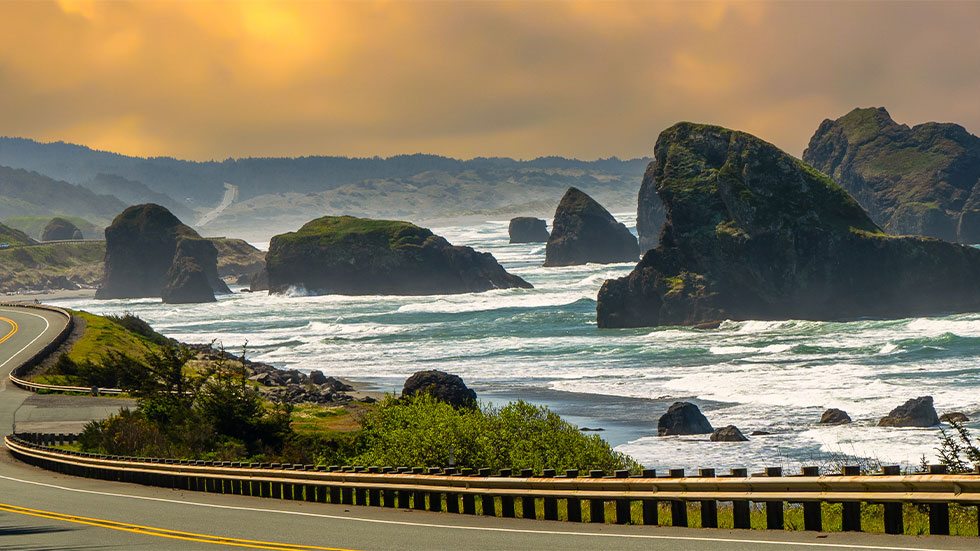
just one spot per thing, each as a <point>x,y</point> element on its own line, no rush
<point>163,532</point>
<point>13,329</point>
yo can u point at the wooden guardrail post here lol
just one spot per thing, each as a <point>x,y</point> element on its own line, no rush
<point>550,504</point>
<point>469,500</point>
<point>418,496</point>
<point>336,496</point>
<point>403,498</point>
<point>851,510</point>
<point>573,505</point>
<point>487,502</point>
<point>360,494</point>
<point>374,494</point>
<point>506,502</point>
<point>709,508</point>
<point>678,508</point>
<point>452,498</point>
<point>597,507</point>
<point>774,509</point>
<point>812,516</point>
<point>938,512</point>
<point>651,507</point>
<point>893,517</point>
<point>435,498</point>
<point>528,504</point>
<point>387,496</point>
<point>622,505</point>
<point>741,512</point>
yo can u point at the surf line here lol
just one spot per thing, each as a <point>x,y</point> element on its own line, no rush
<point>759,542</point>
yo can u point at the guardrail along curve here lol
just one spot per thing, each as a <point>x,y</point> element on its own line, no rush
<point>630,499</point>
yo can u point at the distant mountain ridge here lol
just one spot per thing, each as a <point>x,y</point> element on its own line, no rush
<point>25,193</point>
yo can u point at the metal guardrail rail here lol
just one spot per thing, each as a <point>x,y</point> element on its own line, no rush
<point>16,373</point>
<point>458,491</point>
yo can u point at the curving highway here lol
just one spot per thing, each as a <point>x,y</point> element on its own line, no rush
<point>40,510</point>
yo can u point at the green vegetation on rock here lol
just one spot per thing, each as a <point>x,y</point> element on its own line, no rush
<point>34,225</point>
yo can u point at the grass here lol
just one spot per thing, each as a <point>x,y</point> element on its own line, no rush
<point>316,419</point>
<point>34,225</point>
<point>102,335</point>
<point>34,267</point>
<point>333,229</point>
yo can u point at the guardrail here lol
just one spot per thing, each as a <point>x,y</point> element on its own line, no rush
<point>453,491</point>
<point>17,372</point>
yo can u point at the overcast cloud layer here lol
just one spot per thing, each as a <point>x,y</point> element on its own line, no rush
<point>577,79</point>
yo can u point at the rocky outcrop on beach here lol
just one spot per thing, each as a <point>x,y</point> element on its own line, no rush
<point>237,259</point>
<point>753,233</point>
<point>954,417</point>
<point>728,434</point>
<point>923,180</point>
<point>442,386</point>
<point>917,412</point>
<point>650,215</point>
<point>683,418</point>
<point>141,259</point>
<point>834,416</point>
<point>259,281</point>
<point>525,229</point>
<point>59,229</point>
<point>583,231</point>
<point>362,256</point>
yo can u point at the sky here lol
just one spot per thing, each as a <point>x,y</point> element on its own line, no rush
<point>200,80</point>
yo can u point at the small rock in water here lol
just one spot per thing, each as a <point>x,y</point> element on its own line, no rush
<point>587,429</point>
<point>917,412</point>
<point>683,418</point>
<point>834,416</point>
<point>728,434</point>
<point>954,416</point>
<point>759,433</point>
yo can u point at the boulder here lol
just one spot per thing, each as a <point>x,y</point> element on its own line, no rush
<point>186,283</point>
<point>317,377</point>
<point>683,418</point>
<point>59,229</point>
<point>920,180</point>
<point>834,416</point>
<point>753,233</point>
<point>525,229</point>
<point>583,231</point>
<point>728,434</point>
<point>917,412</point>
<point>954,417</point>
<point>442,386</point>
<point>362,256</point>
<point>142,246</point>
<point>259,281</point>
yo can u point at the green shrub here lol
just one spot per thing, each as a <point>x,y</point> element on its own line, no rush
<point>420,431</point>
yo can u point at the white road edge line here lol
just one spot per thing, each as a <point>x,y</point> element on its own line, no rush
<point>480,528</point>
<point>47,325</point>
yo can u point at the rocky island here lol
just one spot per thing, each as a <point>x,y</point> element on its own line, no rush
<point>584,231</point>
<point>923,180</point>
<point>753,233</point>
<point>363,256</point>
<point>150,253</point>
<point>526,229</point>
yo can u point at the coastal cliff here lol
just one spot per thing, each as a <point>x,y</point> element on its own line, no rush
<point>753,233</point>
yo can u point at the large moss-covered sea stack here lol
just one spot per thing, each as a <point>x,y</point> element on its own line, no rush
<point>753,233</point>
<point>363,256</point>
<point>923,180</point>
<point>141,250</point>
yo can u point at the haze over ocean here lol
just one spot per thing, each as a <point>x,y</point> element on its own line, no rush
<point>543,345</point>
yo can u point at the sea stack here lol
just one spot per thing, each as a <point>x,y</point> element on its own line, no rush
<point>59,229</point>
<point>584,231</point>
<point>650,215</point>
<point>362,256</point>
<point>921,180</point>
<point>753,233</point>
<point>141,258</point>
<point>525,229</point>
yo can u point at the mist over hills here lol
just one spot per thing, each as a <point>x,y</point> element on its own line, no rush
<point>25,193</point>
<point>273,194</point>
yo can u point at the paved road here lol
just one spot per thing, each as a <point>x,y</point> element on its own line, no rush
<point>43,510</point>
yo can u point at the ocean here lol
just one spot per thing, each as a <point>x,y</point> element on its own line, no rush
<point>543,346</point>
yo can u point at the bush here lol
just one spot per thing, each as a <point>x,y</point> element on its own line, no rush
<point>420,431</point>
<point>135,324</point>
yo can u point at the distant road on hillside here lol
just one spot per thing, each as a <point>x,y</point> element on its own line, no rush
<point>231,195</point>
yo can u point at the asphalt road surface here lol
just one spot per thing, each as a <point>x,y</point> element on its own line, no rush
<point>40,510</point>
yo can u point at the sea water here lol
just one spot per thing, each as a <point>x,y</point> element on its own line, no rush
<point>542,345</point>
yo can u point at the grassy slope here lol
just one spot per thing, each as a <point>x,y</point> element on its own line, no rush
<point>35,267</point>
<point>332,229</point>
<point>12,236</point>
<point>34,225</point>
<point>103,335</point>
